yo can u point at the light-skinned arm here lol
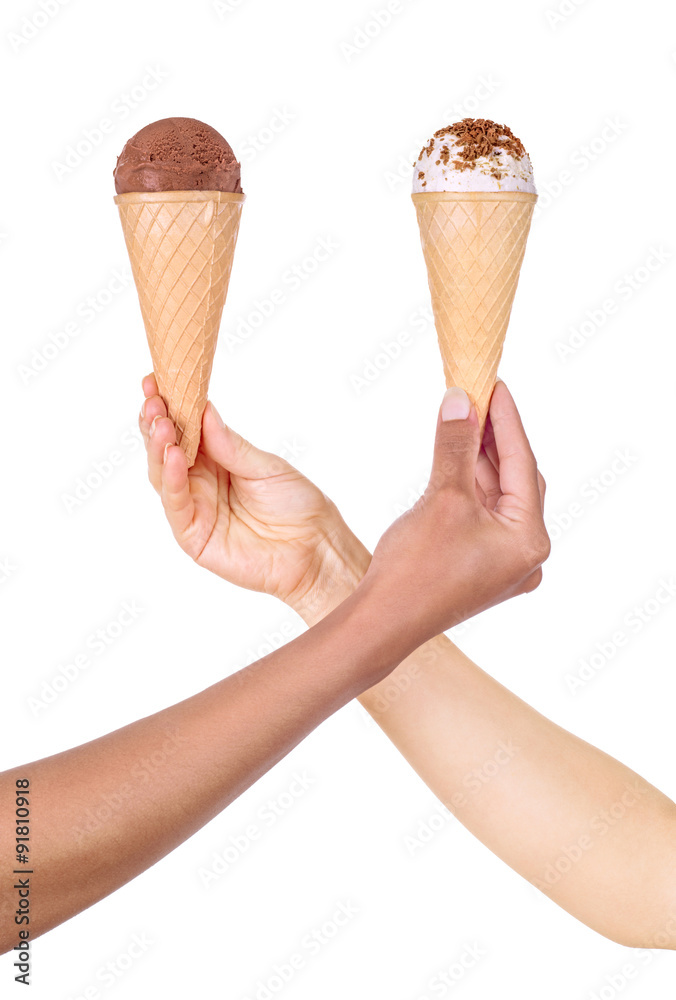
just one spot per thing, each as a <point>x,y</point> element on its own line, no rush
<point>586,830</point>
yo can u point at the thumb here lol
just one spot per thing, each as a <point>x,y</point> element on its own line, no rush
<point>456,448</point>
<point>235,453</point>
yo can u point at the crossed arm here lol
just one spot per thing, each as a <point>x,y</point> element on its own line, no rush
<point>217,743</point>
<point>589,832</point>
<point>593,835</point>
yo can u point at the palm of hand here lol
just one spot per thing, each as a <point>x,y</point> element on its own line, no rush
<point>264,534</point>
<point>243,513</point>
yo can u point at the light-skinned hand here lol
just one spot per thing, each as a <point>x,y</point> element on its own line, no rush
<point>243,513</point>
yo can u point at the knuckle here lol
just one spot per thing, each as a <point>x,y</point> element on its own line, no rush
<point>535,549</point>
<point>533,582</point>
<point>458,441</point>
<point>538,544</point>
<point>543,547</point>
<point>446,499</point>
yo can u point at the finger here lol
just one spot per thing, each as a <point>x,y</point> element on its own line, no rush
<point>456,448</point>
<point>488,443</point>
<point>152,407</point>
<point>177,500</point>
<point>162,433</point>
<point>542,489</point>
<point>230,450</point>
<point>517,465</point>
<point>149,385</point>
<point>488,480</point>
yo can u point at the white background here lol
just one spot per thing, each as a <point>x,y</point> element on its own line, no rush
<point>357,120</point>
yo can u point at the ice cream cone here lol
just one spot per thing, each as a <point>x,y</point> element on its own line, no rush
<point>473,243</point>
<point>181,246</point>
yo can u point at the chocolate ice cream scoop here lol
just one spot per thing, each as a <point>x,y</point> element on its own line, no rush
<point>177,154</point>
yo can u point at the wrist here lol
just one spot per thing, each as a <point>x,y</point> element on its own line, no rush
<point>343,562</point>
<point>371,641</point>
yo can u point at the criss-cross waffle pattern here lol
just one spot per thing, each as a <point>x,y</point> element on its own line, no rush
<point>181,256</point>
<point>473,249</point>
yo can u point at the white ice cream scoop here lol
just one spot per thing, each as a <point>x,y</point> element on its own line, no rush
<point>473,155</point>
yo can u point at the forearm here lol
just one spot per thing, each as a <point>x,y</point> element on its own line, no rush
<point>589,832</point>
<point>115,806</point>
<point>593,835</point>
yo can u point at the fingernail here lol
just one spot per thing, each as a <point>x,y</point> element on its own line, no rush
<point>217,415</point>
<point>166,449</point>
<point>455,405</point>
<point>152,426</point>
<point>143,410</point>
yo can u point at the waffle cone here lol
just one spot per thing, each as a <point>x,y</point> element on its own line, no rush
<point>181,246</point>
<point>473,243</point>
